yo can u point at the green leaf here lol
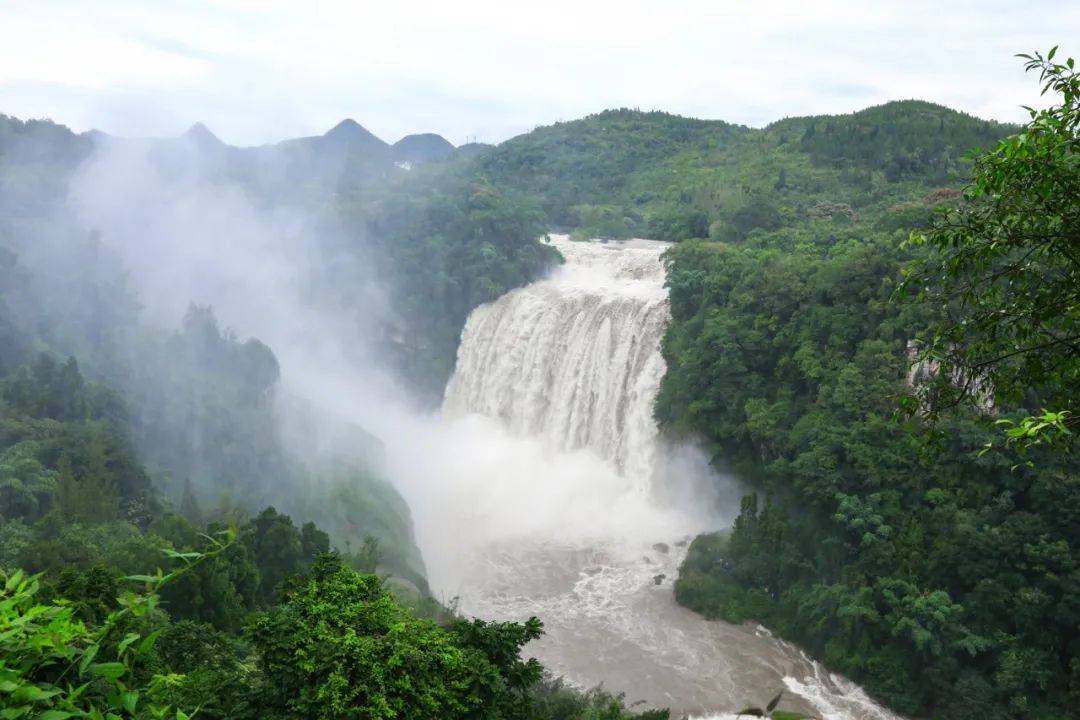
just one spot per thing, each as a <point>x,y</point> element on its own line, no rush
<point>109,670</point>
<point>141,578</point>
<point>148,641</point>
<point>88,657</point>
<point>32,693</point>
<point>123,645</point>
<point>14,580</point>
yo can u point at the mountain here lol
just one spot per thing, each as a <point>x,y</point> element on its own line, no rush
<point>39,141</point>
<point>593,161</point>
<point>473,148</point>
<point>421,147</point>
<point>349,137</point>
<point>200,136</point>
<point>623,173</point>
<point>904,138</point>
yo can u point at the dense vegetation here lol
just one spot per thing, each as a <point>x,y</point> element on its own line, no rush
<point>334,643</point>
<point>922,554</point>
<point>451,241</point>
<point>626,173</point>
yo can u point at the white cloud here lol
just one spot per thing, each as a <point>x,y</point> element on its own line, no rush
<point>259,71</point>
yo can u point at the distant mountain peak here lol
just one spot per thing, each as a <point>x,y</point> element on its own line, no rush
<point>348,128</point>
<point>348,125</point>
<point>422,147</point>
<point>201,135</point>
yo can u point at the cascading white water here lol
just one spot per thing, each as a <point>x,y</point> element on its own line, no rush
<point>574,359</point>
<point>544,490</point>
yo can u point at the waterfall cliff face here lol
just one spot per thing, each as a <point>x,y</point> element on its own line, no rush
<point>574,358</point>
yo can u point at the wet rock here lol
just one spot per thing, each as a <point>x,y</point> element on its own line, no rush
<point>657,579</point>
<point>661,548</point>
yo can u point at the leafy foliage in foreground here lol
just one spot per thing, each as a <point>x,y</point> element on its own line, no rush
<point>338,646</point>
<point>1005,267</point>
<point>366,657</point>
<point>55,666</point>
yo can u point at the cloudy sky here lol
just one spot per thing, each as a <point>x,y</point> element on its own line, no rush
<point>256,71</point>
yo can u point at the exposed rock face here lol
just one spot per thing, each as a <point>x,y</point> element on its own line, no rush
<point>921,370</point>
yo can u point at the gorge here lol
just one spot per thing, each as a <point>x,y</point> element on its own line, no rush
<point>561,500</point>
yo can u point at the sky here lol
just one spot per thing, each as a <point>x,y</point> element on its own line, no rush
<point>257,71</point>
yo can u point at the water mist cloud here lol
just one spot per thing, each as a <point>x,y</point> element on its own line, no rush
<point>189,236</point>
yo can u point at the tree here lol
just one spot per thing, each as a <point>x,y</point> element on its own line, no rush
<point>189,505</point>
<point>276,546</point>
<point>26,487</point>
<point>91,498</point>
<point>781,181</point>
<point>1004,267</point>
<point>339,646</point>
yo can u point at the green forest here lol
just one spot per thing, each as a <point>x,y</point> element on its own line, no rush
<point>875,324</point>
<point>905,403</point>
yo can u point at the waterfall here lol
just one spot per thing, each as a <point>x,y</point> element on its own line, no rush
<point>544,489</point>
<point>574,358</point>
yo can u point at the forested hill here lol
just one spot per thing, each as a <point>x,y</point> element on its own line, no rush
<point>436,240</point>
<point>625,173</point>
<point>587,172</point>
<point>902,408</point>
<point>197,412</point>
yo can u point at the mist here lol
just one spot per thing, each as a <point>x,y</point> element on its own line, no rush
<point>188,236</point>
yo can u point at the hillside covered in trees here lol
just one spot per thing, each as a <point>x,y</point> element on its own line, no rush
<point>905,405</point>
